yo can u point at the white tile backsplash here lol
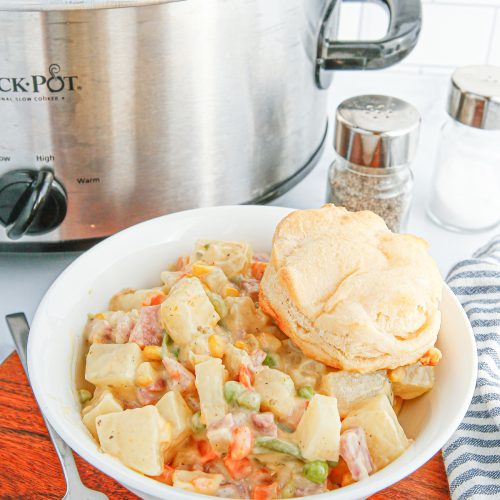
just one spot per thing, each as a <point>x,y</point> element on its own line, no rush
<point>494,54</point>
<point>454,32</point>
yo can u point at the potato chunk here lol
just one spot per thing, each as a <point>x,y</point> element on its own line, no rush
<point>187,311</point>
<point>103,404</point>
<point>409,382</point>
<point>385,436</point>
<point>318,432</point>
<point>303,370</point>
<point>243,317</point>
<point>210,385</point>
<point>352,388</point>
<point>130,299</point>
<point>112,365</point>
<point>234,358</point>
<point>136,437</point>
<point>233,257</point>
<point>214,278</point>
<point>177,413</point>
<point>277,391</point>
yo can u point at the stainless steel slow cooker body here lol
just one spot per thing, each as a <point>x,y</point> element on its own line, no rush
<point>115,112</point>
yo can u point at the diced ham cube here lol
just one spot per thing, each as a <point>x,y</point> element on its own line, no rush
<point>233,489</point>
<point>354,450</point>
<point>264,424</point>
<point>220,433</point>
<point>152,393</point>
<point>250,287</point>
<point>178,377</point>
<point>123,329</point>
<point>257,357</point>
<point>148,329</point>
<point>99,331</point>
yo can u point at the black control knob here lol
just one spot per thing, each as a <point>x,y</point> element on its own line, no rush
<point>31,202</point>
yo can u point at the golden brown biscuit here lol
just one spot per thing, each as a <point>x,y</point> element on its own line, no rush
<point>349,292</point>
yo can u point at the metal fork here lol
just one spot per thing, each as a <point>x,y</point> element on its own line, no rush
<point>75,489</point>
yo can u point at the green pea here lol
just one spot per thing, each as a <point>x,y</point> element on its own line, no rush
<point>249,399</point>
<point>218,303</point>
<point>270,361</point>
<point>84,395</point>
<point>279,445</point>
<point>306,392</point>
<point>196,424</point>
<point>164,345</point>
<point>316,471</point>
<point>176,351</point>
<point>232,390</point>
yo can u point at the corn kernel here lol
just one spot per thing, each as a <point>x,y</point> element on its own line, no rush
<point>240,344</point>
<point>216,345</point>
<point>232,292</point>
<point>152,353</point>
<point>99,316</point>
<point>200,269</point>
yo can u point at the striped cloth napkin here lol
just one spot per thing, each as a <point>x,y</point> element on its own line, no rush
<point>472,455</point>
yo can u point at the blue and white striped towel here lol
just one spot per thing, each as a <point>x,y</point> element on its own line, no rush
<point>472,455</point>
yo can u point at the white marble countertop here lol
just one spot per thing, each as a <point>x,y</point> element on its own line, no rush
<point>25,277</point>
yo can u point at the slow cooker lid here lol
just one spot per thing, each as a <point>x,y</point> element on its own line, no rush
<point>46,5</point>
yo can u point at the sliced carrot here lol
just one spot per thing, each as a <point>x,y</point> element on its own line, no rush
<point>241,443</point>
<point>265,492</point>
<point>238,469</point>
<point>166,475</point>
<point>245,376</point>
<point>258,269</point>
<point>206,452</point>
<point>155,300</point>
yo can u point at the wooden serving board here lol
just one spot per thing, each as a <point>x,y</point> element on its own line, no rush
<point>30,468</point>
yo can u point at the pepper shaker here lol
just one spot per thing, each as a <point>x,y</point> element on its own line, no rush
<point>375,139</point>
<point>465,193</point>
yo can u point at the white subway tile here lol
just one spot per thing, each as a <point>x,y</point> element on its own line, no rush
<point>374,21</point>
<point>494,55</point>
<point>453,35</point>
<point>472,3</point>
<point>350,20</point>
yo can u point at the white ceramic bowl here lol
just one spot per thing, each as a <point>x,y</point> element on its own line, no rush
<point>134,258</point>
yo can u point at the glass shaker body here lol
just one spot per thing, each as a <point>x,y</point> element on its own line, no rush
<point>387,192</point>
<point>465,193</point>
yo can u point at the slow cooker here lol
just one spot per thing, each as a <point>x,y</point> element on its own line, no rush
<point>113,112</point>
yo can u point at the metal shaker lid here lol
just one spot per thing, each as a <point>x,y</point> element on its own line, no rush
<point>474,98</point>
<point>376,131</point>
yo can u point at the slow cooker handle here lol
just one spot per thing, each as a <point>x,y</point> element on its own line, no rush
<point>31,203</point>
<point>401,38</point>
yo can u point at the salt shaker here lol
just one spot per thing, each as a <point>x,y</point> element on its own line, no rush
<point>375,139</point>
<point>466,187</point>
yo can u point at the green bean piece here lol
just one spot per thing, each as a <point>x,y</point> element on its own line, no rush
<point>84,395</point>
<point>270,361</point>
<point>306,392</point>
<point>249,399</point>
<point>279,445</point>
<point>232,390</point>
<point>196,424</point>
<point>316,471</point>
